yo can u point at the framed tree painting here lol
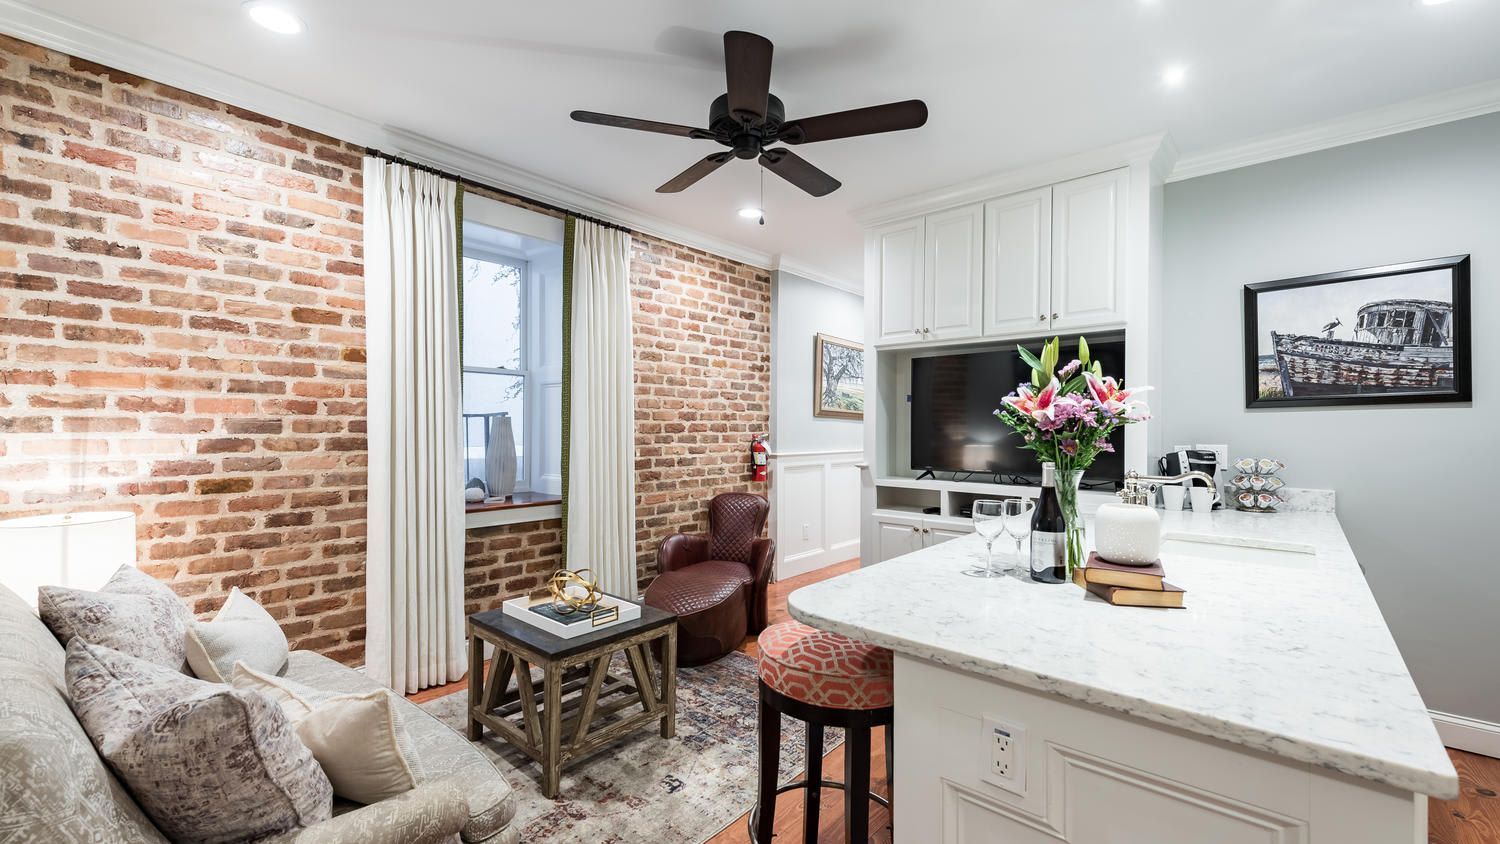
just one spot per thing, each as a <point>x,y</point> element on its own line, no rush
<point>838,378</point>
<point>1397,334</point>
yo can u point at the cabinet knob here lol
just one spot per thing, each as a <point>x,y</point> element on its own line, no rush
<point>915,529</point>
<point>926,330</point>
<point>1054,316</point>
<point>1042,318</point>
<point>916,331</point>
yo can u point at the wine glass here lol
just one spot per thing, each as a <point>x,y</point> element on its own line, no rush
<point>989,523</point>
<point>1016,513</point>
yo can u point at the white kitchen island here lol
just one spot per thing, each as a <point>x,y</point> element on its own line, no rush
<point>1275,709</point>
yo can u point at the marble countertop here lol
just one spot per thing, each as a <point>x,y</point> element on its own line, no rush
<point>1286,653</point>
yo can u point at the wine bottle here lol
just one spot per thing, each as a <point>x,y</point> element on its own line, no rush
<point>1049,558</point>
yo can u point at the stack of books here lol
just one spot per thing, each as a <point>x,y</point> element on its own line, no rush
<point>1128,586</point>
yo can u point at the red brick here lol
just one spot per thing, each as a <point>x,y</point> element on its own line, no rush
<point>101,157</point>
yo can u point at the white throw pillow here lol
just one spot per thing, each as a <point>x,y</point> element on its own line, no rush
<point>242,631</point>
<point>207,763</point>
<point>358,738</point>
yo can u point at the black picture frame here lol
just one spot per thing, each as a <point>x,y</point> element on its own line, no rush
<point>1461,391</point>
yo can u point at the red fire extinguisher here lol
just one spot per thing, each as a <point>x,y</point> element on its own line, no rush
<point>759,458</point>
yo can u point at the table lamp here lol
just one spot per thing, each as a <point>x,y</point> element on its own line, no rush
<point>77,550</point>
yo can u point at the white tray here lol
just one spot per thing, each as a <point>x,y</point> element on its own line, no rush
<point>520,609</point>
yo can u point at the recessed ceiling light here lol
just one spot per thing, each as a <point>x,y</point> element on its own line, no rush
<point>1174,75</point>
<point>1431,2</point>
<point>273,17</point>
<point>750,212</point>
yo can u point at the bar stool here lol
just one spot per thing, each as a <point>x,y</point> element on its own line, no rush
<point>824,680</point>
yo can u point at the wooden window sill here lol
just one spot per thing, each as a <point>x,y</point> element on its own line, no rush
<point>514,509</point>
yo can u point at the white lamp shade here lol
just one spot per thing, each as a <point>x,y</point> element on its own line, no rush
<point>78,550</point>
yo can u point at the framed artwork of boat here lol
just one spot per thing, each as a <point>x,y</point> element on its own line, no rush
<point>1385,335</point>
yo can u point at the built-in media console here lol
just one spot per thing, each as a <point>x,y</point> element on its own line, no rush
<point>954,433</point>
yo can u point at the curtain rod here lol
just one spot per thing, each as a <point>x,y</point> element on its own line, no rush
<point>464,180</point>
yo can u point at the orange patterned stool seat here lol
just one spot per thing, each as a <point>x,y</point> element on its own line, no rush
<point>825,669</point>
<point>823,680</point>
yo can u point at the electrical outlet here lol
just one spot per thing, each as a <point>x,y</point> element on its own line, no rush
<point>1004,757</point>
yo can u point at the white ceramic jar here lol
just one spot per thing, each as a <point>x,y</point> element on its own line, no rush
<point>1128,534</point>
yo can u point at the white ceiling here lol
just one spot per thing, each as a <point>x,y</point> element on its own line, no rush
<point>1007,82</point>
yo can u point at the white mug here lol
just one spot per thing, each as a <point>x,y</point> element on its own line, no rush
<point>1203,499</point>
<point>1171,498</point>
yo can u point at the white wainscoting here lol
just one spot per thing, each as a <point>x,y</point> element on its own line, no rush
<point>814,509</point>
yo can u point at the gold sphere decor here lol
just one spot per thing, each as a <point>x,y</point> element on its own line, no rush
<point>566,603</point>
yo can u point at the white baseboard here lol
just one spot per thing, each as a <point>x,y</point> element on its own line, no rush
<point>813,561</point>
<point>1467,734</point>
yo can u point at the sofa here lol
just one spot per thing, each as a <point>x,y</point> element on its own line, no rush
<point>54,787</point>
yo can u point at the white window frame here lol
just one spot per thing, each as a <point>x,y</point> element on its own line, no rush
<point>529,413</point>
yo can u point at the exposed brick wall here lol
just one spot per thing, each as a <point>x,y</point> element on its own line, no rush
<point>702,332</point>
<point>182,335</point>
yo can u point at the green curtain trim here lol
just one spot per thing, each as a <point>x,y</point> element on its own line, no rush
<point>569,226</point>
<point>458,228</point>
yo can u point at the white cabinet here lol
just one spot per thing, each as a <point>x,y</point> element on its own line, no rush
<point>1031,263</point>
<point>899,264</point>
<point>897,535</point>
<point>1088,251</point>
<point>1018,263</point>
<point>954,273</point>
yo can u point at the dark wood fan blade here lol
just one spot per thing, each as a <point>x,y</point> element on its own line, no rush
<point>795,169</point>
<point>690,176</point>
<point>639,124</point>
<point>747,68</point>
<point>891,117</point>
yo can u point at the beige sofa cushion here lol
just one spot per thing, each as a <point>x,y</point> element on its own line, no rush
<point>206,762</point>
<point>357,737</point>
<point>441,753</point>
<point>242,631</point>
<point>134,613</point>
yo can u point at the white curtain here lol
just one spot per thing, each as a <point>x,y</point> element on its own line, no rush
<point>414,565</point>
<point>601,434</point>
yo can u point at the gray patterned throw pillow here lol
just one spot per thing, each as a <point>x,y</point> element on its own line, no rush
<point>134,613</point>
<point>207,763</point>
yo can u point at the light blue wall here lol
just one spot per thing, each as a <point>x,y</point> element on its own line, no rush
<point>801,310</point>
<point>1414,483</point>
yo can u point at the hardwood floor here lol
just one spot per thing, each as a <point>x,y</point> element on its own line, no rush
<point>1472,818</point>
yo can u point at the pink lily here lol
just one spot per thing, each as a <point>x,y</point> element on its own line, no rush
<point>1115,399</point>
<point>1036,405</point>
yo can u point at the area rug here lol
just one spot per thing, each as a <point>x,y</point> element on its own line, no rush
<point>645,788</point>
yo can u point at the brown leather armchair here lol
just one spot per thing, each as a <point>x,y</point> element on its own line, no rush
<point>733,548</point>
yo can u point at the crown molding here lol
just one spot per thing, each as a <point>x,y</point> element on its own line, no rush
<point>1143,150</point>
<point>803,271</point>
<point>73,38</point>
<point>1445,107</point>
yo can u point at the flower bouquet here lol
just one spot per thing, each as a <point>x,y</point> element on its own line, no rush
<point>1065,416</point>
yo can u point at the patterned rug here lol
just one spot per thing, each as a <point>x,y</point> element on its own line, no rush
<point>647,789</point>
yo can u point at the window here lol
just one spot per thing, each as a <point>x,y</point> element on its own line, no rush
<point>494,380</point>
<point>512,359</point>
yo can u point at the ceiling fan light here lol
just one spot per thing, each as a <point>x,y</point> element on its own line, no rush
<point>750,212</point>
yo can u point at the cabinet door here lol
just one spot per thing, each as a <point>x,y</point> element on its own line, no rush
<point>955,273</point>
<point>897,536</point>
<point>1088,243</point>
<point>936,535</point>
<point>1018,263</point>
<point>898,257</point>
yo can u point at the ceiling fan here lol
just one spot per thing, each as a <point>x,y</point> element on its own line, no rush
<point>749,119</point>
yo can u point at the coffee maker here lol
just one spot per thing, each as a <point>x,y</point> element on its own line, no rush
<point>1193,460</point>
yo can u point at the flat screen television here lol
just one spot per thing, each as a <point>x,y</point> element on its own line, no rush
<point>953,424</point>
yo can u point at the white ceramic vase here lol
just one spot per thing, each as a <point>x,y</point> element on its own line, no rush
<point>500,458</point>
<point>1128,534</point>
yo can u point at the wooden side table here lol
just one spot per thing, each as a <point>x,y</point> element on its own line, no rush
<point>556,724</point>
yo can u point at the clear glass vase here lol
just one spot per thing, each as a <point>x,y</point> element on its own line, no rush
<point>1076,536</point>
